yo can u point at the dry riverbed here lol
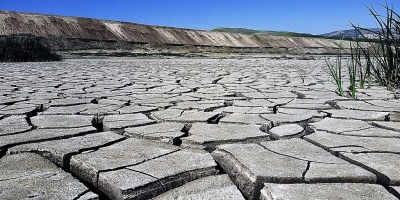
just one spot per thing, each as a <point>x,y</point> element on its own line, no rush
<point>193,129</point>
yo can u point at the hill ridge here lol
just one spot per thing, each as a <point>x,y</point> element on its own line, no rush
<point>65,28</point>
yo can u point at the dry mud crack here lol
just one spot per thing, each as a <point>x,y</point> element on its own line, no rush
<point>193,129</point>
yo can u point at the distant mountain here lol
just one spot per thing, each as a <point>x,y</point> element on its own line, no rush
<point>263,32</point>
<point>352,33</point>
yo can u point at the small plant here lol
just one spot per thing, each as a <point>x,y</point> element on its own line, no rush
<point>383,54</point>
<point>335,70</point>
<point>352,69</point>
<point>358,53</point>
<point>375,59</point>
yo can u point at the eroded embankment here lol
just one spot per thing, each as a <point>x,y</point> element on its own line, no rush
<point>74,33</point>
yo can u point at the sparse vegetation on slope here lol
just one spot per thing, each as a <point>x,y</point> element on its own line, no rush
<point>274,33</point>
<point>25,48</point>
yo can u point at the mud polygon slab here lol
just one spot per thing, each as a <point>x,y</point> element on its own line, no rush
<point>243,119</point>
<point>395,190</point>
<point>125,153</point>
<point>192,116</point>
<point>61,121</point>
<point>327,191</point>
<point>166,131</point>
<point>250,165</point>
<point>314,94</point>
<point>111,102</point>
<point>361,105</point>
<point>259,110</point>
<point>212,187</point>
<point>136,109</point>
<point>280,118</point>
<point>69,110</point>
<point>166,114</point>
<point>393,103</point>
<point>38,135</point>
<point>254,95</point>
<point>18,111</point>
<point>11,99</point>
<point>155,176</point>
<point>125,117</point>
<point>358,114</point>
<point>374,132</point>
<point>111,122</point>
<point>255,103</point>
<point>185,160</point>
<point>340,125</point>
<point>309,106</point>
<point>23,165</point>
<point>28,175</point>
<point>128,184</point>
<point>338,173</point>
<point>384,165</point>
<point>69,102</point>
<point>180,90</point>
<point>339,170</point>
<point>19,106</point>
<point>285,131</point>
<point>290,111</point>
<point>207,136</point>
<point>284,161</point>
<point>395,116</point>
<point>282,94</point>
<point>355,144</point>
<point>58,150</point>
<point>99,109</point>
<point>395,126</point>
<point>14,124</point>
<point>189,105</point>
<point>234,109</point>
<point>377,92</point>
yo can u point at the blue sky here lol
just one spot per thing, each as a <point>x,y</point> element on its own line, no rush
<point>306,16</point>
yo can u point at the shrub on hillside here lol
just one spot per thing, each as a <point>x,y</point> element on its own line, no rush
<point>25,48</point>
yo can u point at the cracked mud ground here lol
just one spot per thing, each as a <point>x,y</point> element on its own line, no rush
<point>193,129</point>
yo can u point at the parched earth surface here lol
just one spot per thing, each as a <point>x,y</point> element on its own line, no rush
<point>193,129</point>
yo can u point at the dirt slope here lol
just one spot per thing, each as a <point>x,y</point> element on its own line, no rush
<point>94,29</point>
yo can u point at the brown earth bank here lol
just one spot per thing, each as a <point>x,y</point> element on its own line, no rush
<point>82,34</point>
